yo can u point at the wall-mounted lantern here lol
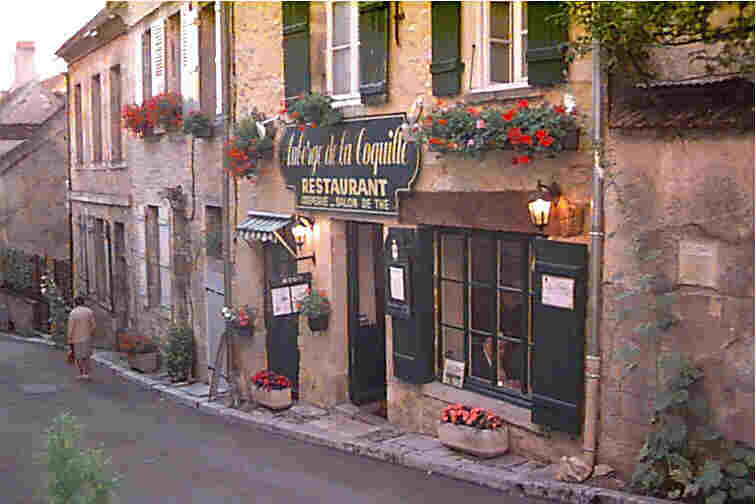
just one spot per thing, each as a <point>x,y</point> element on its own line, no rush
<point>540,204</point>
<point>301,229</point>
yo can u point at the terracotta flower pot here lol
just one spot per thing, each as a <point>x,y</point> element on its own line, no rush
<point>272,399</point>
<point>483,443</point>
<point>318,323</point>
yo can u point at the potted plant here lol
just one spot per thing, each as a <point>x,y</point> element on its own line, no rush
<point>144,357</point>
<point>316,307</point>
<point>271,390</point>
<point>240,320</point>
<point>198,125</point>
<point>179,353</point>
<point>311,110</point>
<point>250,141</point>
<point>473,430</point>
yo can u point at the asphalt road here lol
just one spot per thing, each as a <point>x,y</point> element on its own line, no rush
<point>168,453</point>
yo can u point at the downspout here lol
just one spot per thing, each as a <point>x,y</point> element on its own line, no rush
<point>69,185</point>
<point>593,359</point>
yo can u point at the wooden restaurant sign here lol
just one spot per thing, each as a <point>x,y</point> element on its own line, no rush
<point>358,165</point>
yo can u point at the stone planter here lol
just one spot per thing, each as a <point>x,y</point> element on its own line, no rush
<point>144,362</point>
<point>272,399</point>
<point>480,443</point>
<point>318,323</point>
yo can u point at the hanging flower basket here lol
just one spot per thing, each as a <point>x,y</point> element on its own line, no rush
<point>251,142</point>
<point>241,321</point>
<point>319,323</point>
<point>198,125</point>
<point>311,110</point>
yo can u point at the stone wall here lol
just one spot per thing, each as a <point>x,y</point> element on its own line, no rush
<point>686,196</point>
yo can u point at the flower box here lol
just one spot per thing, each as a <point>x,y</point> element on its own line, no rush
<point>272,399</point>
<point>483,443</point>
<point>144,362</point>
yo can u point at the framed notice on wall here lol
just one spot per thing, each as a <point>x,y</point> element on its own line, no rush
<point>558,291</point>
<point>282,301</point>
<point>454,373</point>
<point>398,290</point>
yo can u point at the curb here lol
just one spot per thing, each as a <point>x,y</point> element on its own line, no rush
<point>517,484</point>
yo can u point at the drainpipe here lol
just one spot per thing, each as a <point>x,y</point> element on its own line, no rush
<point>593,359</point>
<point>69,160</point>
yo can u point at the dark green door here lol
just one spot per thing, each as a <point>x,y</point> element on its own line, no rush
<point>366,310</point>
<point>283,330</point>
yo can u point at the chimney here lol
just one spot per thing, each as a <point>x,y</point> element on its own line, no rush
<point>24,61</point>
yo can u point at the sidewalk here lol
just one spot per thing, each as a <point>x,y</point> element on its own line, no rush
<point>348,429</point>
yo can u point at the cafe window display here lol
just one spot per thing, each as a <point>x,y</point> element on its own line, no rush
<point>482,307</point>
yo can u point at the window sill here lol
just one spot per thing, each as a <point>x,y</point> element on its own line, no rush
<point>511,92</point>
<point>102,166</point>
<point>346,101</point>
<point>510,413</point>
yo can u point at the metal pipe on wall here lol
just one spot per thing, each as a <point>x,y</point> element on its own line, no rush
<point>593,359</point>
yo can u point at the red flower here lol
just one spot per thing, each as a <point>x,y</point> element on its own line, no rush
<point>515,160</point>
<point>509,115</point>
<point>541,133</point>
<point>294,114</point>
<point>302,127</point>
<point>524,159</point>
<point>442,122</point>
<point>546,141</point>
<point>558,109</point>
<point>514,133</point>
<point>525,139</point>
<point>472,111</point>
<point>522,104</point>
<point>313,125</point>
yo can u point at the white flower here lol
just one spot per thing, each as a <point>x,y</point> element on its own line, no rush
<point>44,291</point>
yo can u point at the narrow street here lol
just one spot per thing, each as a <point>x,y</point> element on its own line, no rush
<point>168,453</point>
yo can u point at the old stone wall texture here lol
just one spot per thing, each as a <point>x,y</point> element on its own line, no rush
<point>686,197</point>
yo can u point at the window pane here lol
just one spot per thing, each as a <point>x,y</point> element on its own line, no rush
<point>500,20</point>
<point>452,256</point>
<point>510,314</point>
<point>482,358</point>
<point>482,303</point>
<point>452,299</point>
<point>341,72</point>
<point>500,62</point>
<point>510,361</point>
<point>510,264</point>
<point>341,21</point>
<point>454,344</point>
<point>483,258</point>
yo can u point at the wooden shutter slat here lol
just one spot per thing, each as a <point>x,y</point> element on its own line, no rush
<point>374,36</point>
<point>446,66</point>
<point>189,57</point>
<point>296,48</point>
<point>559,338</point>
<point>546,45</point>
<point>157,52</point>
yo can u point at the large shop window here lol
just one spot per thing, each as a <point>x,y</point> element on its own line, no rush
<point>512,308</point>
<point>357,52</point>
<point>483,308</point>
<point>519,45</point>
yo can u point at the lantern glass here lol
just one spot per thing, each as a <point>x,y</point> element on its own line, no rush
<point>300,233</point>
<point>539,212</point>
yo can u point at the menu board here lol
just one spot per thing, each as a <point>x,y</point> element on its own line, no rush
<point>558,291</point>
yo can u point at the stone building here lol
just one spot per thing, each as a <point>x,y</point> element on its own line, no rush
<point>425,276</point>
<point>142,205</point>
<point>33,174</point>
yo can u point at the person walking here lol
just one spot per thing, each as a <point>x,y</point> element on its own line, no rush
<point>81,328</point>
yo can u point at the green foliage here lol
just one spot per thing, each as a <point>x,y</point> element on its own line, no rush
<point>668,464</point>
<point>249,141</point>
<point>313,110</point>
<point>198,124</point>
<point>525,128</point>
<point>179,352</point>
<point>18,270</point>
<point>628,31</point>
<point>76,475</point>
<point>314,305</point>
<point>59,308</point>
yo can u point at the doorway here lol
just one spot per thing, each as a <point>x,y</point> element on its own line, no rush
<point>366,313</point>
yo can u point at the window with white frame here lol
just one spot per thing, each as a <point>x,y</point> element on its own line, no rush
<point>343,52</point>
<point>503,39</point>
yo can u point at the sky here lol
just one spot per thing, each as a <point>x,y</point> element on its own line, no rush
<point>49,23</point>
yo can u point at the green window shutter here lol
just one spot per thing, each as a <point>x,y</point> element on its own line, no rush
<point>296,48</point>
<point>546,45</point>
<point>558,334</point>
<point>413,336</point>
<point>374,49</point>
<point>446,66</point>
